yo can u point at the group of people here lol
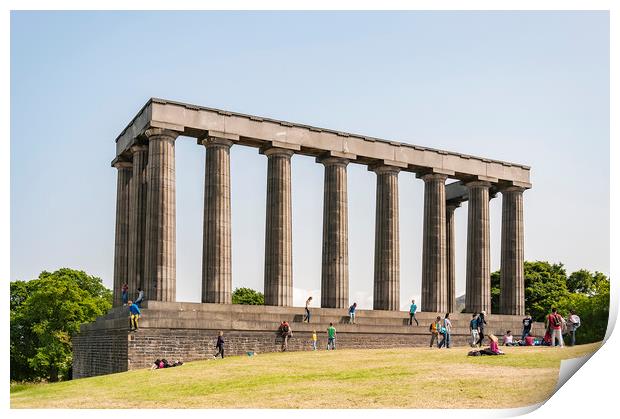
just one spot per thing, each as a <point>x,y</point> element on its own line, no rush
<point>286,332</point>
<point>477,324</point>
<point>125,295</point>
<point>351,311</point>
<point>557,326</point>
<point>441,327</point>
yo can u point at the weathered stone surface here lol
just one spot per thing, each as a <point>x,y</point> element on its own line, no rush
<point>386,295</point>
<point>451,255</point>
<point>434,267</point>
<point>216,242</point>
<point>137,219</point>
<point>278,279</point>
<point>478,279</point>
<point>335,253</point>
<point>121,237</point>
<point>160,240</point>
<point>512,298</point>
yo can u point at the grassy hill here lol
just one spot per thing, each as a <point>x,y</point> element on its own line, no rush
<point>416,377</point>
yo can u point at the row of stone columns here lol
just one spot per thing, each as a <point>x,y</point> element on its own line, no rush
<point>145,232</point>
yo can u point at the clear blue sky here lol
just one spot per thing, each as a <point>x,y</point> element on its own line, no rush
<point>526,87</point>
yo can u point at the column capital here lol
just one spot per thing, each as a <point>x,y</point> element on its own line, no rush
<point>518,189</point>
<point>452,205</point>
<point>428,177</point>
<point>139,147</point>
<point>478,184</point>
<point>215,142</point>
<point>155,133</point>
<point>122,164</point>
<point>277,151</point>
<point>332,161</point>
<point>384,168</point>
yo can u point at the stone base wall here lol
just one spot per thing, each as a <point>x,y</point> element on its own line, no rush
<point>98,353</point>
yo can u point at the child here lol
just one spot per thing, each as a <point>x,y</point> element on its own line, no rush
<point>314,340</point>
<point>434,329</point>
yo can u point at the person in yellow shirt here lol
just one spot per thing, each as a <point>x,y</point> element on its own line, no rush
<point>314,340</point>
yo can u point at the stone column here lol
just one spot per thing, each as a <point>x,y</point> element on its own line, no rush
<point>478,278</point>
<point>121,242</point>
<point>434,267</point>
<point>216,241</point>
<point>160,240</point>
<point>335,263</point>
<point>512,298</point>
<point>451,255</point>
<point>278,243</point>
<point>137,219</point>
<point>386,294</point>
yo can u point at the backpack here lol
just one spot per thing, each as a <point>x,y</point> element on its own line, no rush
<point>555,321</point>
<point>577,321</point>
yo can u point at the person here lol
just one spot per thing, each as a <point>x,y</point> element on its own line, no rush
<point>134,315</point>
<point>473,329</point>
<point>529,340</point>
<point>573,323</point>
<point>352,313</point>
<point>554,326</point>
<point>286,332</point>
<point>412,310</point>
<point>124,293</point>
<point>331,337</point>
<point>220,345</point>
<point>434,329</point>
<point>446,328</point>
<point>481,324</point>
<point>509,340</point>
<point>314,340</point>
<point>493,347</point>
<point>307,316</point>
<point>527,325</point>
<point>140,297</point>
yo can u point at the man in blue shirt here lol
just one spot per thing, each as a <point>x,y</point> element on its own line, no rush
<point>412,311</point>
<point>134,316</point>
<point>473,329</point>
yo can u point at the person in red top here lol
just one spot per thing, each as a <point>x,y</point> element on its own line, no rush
<point>554,325</point>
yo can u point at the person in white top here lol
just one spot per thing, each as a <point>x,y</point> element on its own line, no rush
<point>307,316</point>
<point>573,323</point>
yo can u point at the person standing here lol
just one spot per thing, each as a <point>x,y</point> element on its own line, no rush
<point>352,313</point>
<point>331,337</point>
<point>412,309</point>
<point>434,329</point>
<point>554,325</point>
<point>140,297</point>
<point>481,325</point>
<point>573,323</point>
<point>124,293</point>
<point>134,316</point>
<point>527,325</point>
<point>220,345</point>
<point>446,328</point>
<point>307,316</point>
<point>314,340</point>
<point>473,329</point>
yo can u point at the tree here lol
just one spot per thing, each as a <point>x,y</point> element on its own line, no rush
<point>247,296</point>
<point>45,313</point>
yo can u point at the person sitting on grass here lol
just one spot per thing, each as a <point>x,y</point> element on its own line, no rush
<point>493,348</point>
<point>508,339</point>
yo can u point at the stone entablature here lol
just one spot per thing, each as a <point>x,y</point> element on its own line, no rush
<point>250,130</point>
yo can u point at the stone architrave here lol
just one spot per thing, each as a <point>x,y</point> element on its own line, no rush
<point>216,242</point>
<point>451,254</point>
<point>478,271</point>
<point>434,267</point>
<point>512,298</point>
<point>121,237</point>
<point>386,295</point>
<point>335,253</point>
<point>137,218</point>
<point>160,240</point>
<point>278,278</point>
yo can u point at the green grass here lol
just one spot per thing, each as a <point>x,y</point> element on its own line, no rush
<point>412,377</point>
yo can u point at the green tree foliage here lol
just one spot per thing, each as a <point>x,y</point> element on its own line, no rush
<point>547,286</point>
<point>45,313</point>
<point>247,296</point>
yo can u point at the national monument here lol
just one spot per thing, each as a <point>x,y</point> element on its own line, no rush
<point>145,246</point>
